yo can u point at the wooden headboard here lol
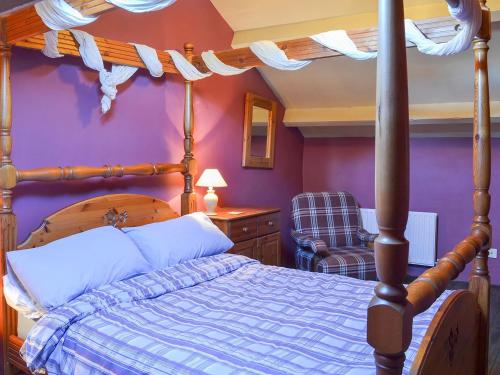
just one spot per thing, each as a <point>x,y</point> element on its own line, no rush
<point>119,210</point>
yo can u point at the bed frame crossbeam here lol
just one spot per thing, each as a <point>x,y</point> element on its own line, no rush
<point>85,172</point>
<point>25,22</point>
<point>117,52</point>
<point>438,29</point>
<point>112,51</point>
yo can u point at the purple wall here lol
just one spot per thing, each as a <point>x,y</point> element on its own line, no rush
<point>57,120</point>
<point>441,181</point>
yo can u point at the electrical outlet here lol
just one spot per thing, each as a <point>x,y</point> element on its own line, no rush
<point>493,253</point>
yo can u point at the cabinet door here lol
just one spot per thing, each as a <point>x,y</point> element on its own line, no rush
<point>246,248</point>
<point>269,249</point>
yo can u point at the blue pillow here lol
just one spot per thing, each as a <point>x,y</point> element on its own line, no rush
<point>170,242</point>
<point>56,273</point>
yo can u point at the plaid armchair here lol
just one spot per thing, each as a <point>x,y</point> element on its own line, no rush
<point>329,235</point>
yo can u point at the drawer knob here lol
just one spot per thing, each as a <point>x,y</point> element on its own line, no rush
<point>244,229</point>
<point>270,223</point>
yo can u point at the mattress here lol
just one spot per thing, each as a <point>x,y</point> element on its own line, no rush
<point>225,314</point>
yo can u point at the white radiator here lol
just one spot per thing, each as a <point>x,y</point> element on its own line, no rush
<point>421,231</point>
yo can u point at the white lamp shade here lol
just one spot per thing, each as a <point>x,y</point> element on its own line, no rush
<point>211,178</point>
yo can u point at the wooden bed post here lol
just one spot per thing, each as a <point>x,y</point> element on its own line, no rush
<point>7,182</point>
<point>389,313</point>
<point>480,278</point>
<point>188,200</point>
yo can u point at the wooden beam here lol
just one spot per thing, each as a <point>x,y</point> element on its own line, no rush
<point>26,23</point>
<point>111,50</point>
<point>116,52</point>
<point>85,172</point>
<point>438,29</point>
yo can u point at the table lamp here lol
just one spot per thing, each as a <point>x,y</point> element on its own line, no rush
<point>211,178</point>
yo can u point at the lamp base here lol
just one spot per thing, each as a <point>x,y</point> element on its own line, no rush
<point>211,201</point>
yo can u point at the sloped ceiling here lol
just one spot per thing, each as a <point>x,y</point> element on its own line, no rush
<point>336,96</point>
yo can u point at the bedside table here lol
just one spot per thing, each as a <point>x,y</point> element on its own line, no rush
<point>254,231</point>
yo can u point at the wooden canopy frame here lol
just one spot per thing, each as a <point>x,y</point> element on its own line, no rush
<point>457,339</point>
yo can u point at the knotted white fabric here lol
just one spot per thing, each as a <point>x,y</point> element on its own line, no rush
<point>339,41</point>
<point>270,54</point>
<point>140,6</point>
<point>467,11</point>
<point>150,58</point>
<point>109,81</point>
<point>59,15</point>
<point>50,49</point>
<point>217,66</point>
<point>92,58</point>
<point>187,70</point>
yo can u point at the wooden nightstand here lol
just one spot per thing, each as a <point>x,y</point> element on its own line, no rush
<point>254,231</point>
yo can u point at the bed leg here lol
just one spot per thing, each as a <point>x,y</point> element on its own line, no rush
<point>389,314</point>
<point>479,282</point>
<point>7,182</point>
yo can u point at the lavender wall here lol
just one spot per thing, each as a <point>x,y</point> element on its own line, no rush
<point>441,181</point>
<point>56,120</point>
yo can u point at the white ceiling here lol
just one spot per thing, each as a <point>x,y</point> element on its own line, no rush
<point>245,15</point>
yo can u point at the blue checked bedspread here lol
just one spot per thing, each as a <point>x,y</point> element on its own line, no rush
<point>225,314</point>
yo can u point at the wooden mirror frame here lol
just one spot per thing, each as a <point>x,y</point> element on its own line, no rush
<point>249,160</point>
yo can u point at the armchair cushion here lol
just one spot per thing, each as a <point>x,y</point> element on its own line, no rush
<point>365,237</point>
<point>349,261</point>
<point>317,245</point>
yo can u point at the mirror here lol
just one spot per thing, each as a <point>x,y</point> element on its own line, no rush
<point>259,132</point>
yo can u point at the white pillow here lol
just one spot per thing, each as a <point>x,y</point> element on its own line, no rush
<point>56,273</point>
<point>17,298</point>
<point>170,242</point>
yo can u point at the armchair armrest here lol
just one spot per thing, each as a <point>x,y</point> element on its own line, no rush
<point>366,237</point>
<point>317,245</point>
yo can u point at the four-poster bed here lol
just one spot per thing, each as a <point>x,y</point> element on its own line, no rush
<point>457,338</point>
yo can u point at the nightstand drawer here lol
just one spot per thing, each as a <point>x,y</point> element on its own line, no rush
<point>268,224</point>
<point>246,248</point>
<point>241,230</point>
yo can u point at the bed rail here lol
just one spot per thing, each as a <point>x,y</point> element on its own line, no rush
<point>424,291</point>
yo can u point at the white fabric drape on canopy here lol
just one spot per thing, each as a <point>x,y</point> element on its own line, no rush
<point>50,49</point>
<point>339,41</point>
<point>187,70</point>
<point>215,65</point>
<point>150,59</point>
<point>270,54</point>
<point>141,6</point>
<point>468,12</point>
<point>59,15</point>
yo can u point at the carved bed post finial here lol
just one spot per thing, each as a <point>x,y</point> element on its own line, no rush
<point>389,314</point>
<point>480,278</point>
<point>188,199</point>
<point>7,182</point>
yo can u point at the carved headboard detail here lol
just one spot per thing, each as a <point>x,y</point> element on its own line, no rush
<point>118,210</point>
